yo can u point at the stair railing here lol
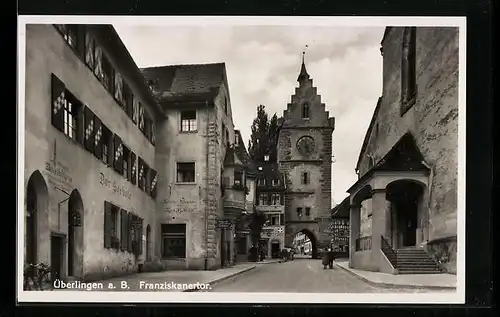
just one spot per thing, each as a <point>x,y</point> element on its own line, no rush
<point>389,252</point>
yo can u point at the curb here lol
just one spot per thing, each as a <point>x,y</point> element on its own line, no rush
<point>391,285</point>
<point>213,282</point>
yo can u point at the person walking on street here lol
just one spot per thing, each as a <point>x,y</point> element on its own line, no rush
<point>331,258</point>
<point>325,260</point>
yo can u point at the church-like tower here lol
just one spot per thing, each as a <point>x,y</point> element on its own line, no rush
<point>305,158</point>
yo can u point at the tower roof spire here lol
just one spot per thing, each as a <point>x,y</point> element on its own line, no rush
<point>303,72</point>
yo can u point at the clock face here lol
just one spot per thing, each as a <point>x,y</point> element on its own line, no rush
<point>305,145</point>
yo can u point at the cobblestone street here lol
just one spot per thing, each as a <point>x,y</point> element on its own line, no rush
<point>303,276</point>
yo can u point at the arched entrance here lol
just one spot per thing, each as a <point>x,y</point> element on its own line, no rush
<point>406,200</point>
<point>148,243</point>
<point>305,244</point>
<point>75,235</point>
<point>275,249</point>
<point>36,206</point>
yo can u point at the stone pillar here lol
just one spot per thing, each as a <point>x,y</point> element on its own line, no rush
<point>354,227</point>
<point>380,216</point>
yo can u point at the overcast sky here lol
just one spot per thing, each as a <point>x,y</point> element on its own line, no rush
<point>262,67</point>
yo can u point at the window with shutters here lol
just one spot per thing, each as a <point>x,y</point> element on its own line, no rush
<point>147,179</point>
<point>141,123</point>
<point>147,126</point>
<point>115,242</point>
<point>118,89</point>
<point>126,170</point>
<point>135,110</point>
<point>117,154</point>
<point>107,73</point>
<point>142,176</point>
<point>90,129</point>
<point>153,132</point>
<point>74,35</point>
<point>154,181</point>
<point>72,117</point>
<point>308,211</point>
<point>89,50</point>
<point>408,69</point>
<point>135,231</point>
<point>276,182</point>
<point>188,121</point>
<point>262,182</point>
<point>185,172</point>
<point>173,241</point>
<point>133,164</point>
<point>128,99</point>
<point>107,146</point>
<point>124,228</point>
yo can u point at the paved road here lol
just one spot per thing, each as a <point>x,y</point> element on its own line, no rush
<point>299,276</point>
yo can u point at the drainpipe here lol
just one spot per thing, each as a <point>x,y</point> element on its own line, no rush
<point>207,184</point>
<point>428,202</point>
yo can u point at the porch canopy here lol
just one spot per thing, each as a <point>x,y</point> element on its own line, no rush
<point>401,174</point>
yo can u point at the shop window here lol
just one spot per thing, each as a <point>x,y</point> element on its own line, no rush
<point>173,241</point>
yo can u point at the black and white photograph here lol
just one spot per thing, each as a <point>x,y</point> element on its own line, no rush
<point>241,159</point>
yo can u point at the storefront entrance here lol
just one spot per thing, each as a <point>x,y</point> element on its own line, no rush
<point>275,249</point>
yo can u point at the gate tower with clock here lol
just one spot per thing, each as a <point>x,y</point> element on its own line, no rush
<point>305,158</point>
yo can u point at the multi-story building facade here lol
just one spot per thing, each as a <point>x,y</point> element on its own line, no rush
<point>90,170</point>
<point>305,158</point>
<point>270,201</point>
<point>190,152</point>
<point>243,239</point>
<point>407,166</point>
<point>339,228</point>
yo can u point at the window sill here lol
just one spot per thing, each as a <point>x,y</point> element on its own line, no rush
<point>185,183</point>
<point>173,258</point>
<point>188,132</point>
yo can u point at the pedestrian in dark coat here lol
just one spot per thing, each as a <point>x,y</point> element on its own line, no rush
<point>325,259</point>
<point>331,258</point>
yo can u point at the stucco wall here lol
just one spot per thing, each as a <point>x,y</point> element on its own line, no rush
<point>432,120</point>
<point>46,53</point>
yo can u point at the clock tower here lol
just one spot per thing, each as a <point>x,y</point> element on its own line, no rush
<point>305,158</point>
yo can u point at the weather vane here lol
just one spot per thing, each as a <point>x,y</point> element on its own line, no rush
<point>304,52</point>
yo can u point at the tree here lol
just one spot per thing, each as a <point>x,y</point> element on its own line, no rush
<point>263,141</point>
<point>264,137</point>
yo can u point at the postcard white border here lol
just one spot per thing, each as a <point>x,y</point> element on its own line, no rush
<point>201,297</point>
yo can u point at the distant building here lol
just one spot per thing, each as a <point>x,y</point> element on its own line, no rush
<point>305,158</point>
<point>270,201</point>
<point>407,166</point>
<point>339,228</point>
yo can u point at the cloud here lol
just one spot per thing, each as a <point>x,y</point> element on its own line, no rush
<point>262,65</point>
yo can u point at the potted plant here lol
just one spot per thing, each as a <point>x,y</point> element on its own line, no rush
<point>37,277</point>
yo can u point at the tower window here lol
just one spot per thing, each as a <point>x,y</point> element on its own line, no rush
<point>408,69</point>
<point>305,111</point>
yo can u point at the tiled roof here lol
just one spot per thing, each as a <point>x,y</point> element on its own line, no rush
<point>182,80</point>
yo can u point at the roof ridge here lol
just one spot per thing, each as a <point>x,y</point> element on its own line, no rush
<point>184,65</point>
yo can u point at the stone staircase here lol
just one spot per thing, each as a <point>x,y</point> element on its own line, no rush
<point>413,260</point>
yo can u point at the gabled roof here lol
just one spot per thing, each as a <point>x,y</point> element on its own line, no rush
<point>232,157</point>
<point>342,210</point>
<point>368,132</point>
<point>244,156</point>
<point>175,81</point>
<point>403,156</point>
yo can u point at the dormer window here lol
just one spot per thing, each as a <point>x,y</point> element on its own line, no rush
<point>305,111</point>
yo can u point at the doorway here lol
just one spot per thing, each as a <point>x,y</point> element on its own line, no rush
<point>56,256</point>
<point>31,236</point>
<point>409,215</point>
<point>75,235</point>
<point>275,249</point>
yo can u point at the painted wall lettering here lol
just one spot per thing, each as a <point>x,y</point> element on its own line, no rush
<point>58,175</point>
<point>179,206</point>
<point>116,188</point>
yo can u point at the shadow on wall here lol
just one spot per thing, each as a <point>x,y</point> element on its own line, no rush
<point>444,252</point>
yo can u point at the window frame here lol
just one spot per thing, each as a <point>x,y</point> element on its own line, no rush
<point>192,122</point>
<point>177,171</point>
